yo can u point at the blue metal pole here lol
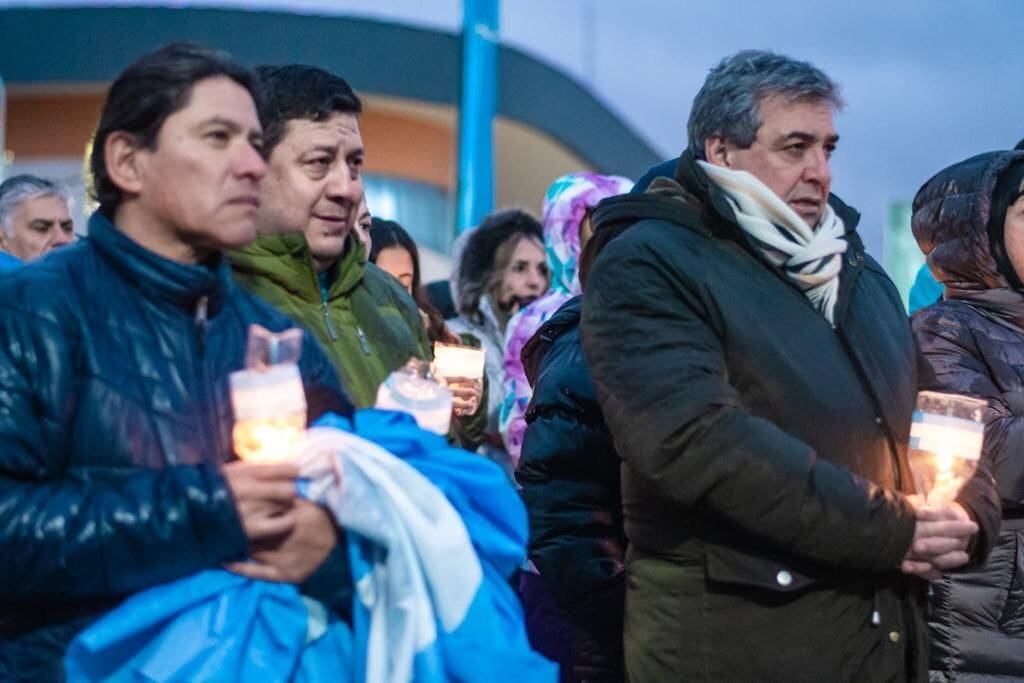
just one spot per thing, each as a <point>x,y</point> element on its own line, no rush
<point>476,114</point>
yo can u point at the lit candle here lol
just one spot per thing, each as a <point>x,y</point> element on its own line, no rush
<point>946,440</point>
<point>453,361</point>
<point>270,413</point>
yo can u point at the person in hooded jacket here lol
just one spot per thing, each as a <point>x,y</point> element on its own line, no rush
<point>969,221</point>
<point>117,469</point>
<point>757,372</point>
<point>308,263</point>
<point>501,268</point>
<point>566,223</point>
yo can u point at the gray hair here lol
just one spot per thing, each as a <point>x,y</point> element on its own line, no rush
<point>21,188</point>
<point>728,104</point>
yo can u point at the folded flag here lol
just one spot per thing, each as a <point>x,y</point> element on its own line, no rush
<point>433,534</point>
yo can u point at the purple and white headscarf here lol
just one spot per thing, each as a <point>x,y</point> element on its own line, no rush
<point>565,205</point>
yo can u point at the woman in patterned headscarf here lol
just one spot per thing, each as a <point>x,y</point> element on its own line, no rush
<point>566,225</point>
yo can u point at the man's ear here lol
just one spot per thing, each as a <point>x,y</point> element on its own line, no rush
<point>123,161</point>
<point>717,151</point>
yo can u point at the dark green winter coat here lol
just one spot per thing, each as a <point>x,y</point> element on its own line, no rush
<point>762,450</point>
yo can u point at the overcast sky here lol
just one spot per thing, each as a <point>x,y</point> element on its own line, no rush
<point>927,82</point>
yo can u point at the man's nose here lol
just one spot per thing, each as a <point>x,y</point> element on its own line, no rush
<point>250,163</point>
<point>818,169</point>
<point>344,186</point>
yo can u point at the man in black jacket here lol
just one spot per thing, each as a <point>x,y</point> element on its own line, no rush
<point>115,418</point>
<point>757,372</point>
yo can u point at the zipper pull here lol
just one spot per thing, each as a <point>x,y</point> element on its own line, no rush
<point>201,321</point>
<point>331,332</point>
<point>327,321</point>
<point>362,340</point>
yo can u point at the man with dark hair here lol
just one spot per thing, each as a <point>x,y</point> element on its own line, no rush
<point>757,372</point>
<point>117,470</point>
<point>35,217</point>
<point>308,263</point>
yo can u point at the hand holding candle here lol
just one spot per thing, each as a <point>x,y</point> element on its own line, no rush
<point>462,369</point>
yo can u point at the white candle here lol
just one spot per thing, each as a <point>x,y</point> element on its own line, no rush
<point>270,413</point>
<point>453,361</point>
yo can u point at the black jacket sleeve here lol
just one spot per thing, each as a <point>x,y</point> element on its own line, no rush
<point>63,537</point>
<point>569,472</point>
<point>663,382</point>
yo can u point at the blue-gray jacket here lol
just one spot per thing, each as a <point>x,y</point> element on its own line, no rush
<point>114,418</point>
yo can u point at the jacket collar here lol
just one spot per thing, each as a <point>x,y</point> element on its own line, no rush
<point>285,260</point>
<point>179,284</point>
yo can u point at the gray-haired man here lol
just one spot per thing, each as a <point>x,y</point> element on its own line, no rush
<point>756,369</point>
<point>35,217</point>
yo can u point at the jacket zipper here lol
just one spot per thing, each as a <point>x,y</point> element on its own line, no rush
<point>362,340</point>
<point>327,315</point>
<point>201,322</point>
<point>893,457</point>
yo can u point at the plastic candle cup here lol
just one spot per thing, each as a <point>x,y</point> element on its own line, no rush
<point>945,444</point>
<point>452,361</point>
<point>270,413</point>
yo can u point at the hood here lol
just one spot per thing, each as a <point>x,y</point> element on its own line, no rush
<point>285,261</point>
<point>565,205</point>
<point>474,253</point>
<point>950,222</point>
<point>565,319</point>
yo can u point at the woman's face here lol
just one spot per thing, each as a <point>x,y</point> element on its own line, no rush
<point>398,262</point>
<point>1013,235</point>
<point>526,276</point>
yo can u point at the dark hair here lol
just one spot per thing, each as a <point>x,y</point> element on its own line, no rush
<point>385,234</point>
<point>1008,189</point>
<point>146,93</point>
<point>477,267</point>
<point>297,91</point>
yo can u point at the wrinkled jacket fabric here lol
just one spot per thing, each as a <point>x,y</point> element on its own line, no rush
<point>971,347</point>
<point>114,418</point>
<point>569,473</point>
<point>366,322</point>
<point>762,450</point>
<point>565,206</point>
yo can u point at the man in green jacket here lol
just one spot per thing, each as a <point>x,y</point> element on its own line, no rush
<point>308,263</point>
<point>305,263</point>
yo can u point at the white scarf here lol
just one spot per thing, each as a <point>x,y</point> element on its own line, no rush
<point>810,258</point>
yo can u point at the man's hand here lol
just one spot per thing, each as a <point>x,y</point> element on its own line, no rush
<point>294,558</point>
<point>466,395</point>
<point>942,536</point>
<point>264,498</point>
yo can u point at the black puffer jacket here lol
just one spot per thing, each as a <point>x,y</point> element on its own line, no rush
<point>569,472</point>
<point>973,343</point>
<point>762,450</point>
<point>114,418</point>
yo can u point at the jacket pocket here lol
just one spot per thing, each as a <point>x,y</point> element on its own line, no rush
<point>735,567</point>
